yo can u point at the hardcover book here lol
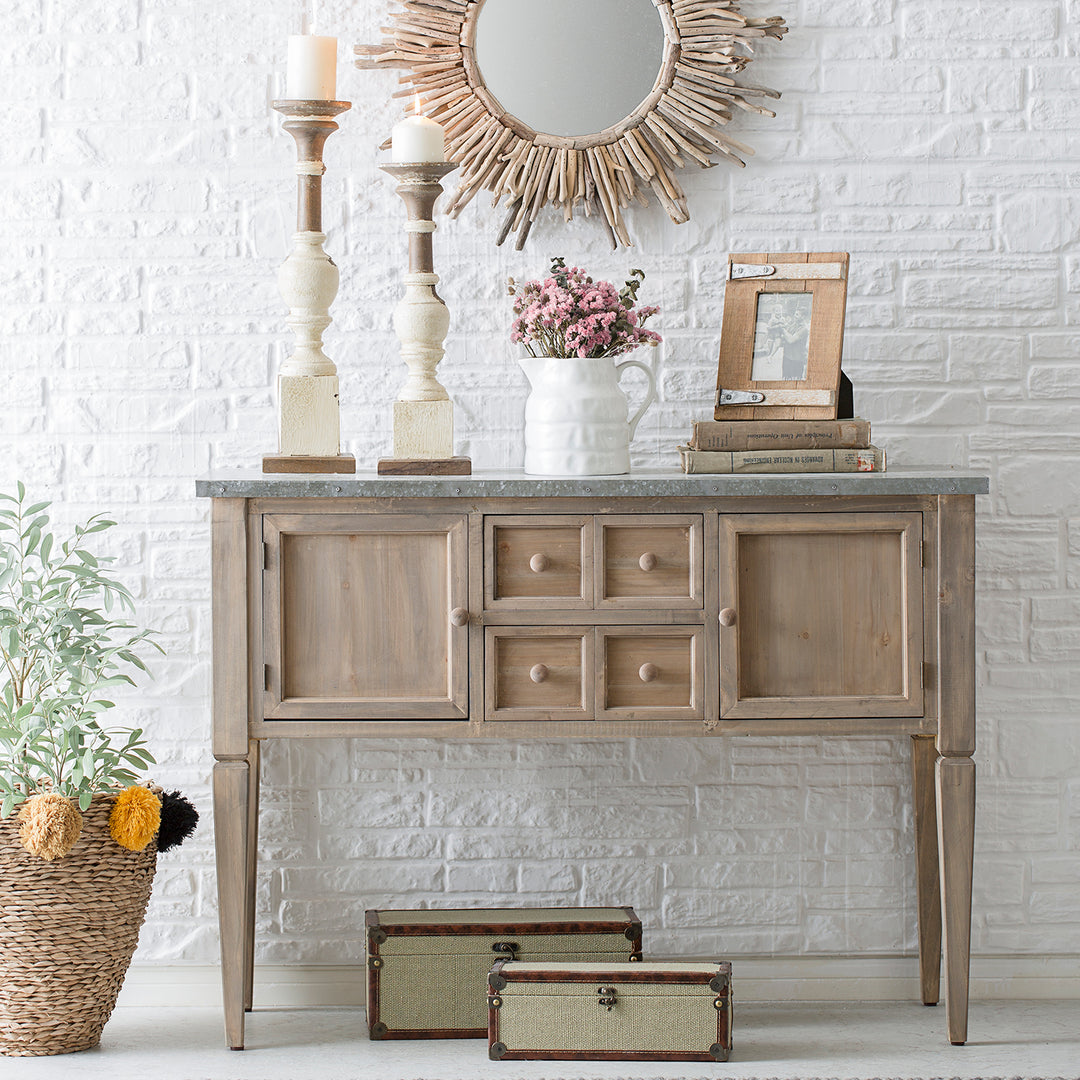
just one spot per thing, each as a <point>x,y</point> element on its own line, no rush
<point>870,459</point>
<point>780,434</point>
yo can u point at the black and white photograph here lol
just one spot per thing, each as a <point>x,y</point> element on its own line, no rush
<point>782,336</point>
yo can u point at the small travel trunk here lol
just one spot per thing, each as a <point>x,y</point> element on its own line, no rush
<point>649,1011</point>
<point>427,970</point>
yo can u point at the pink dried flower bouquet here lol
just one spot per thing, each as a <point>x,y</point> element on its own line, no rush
<point>569,314</point>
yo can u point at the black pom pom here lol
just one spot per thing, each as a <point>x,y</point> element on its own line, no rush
<point>178,820</point>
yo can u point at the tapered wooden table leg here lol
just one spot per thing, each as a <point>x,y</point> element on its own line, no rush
<point>250,874</point>
<point>956,840</point>
<point>927,871</point>
<point>956,744</point>
<point>231,787</point>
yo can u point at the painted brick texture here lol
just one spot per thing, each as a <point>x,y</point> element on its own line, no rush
<point>146,202</point>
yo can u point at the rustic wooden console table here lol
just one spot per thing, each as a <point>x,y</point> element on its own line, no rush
<point>655,604</point>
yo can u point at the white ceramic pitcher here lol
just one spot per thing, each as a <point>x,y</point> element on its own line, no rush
<point>576,415</point>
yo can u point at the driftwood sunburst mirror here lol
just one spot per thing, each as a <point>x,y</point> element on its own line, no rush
<point>586,105</point>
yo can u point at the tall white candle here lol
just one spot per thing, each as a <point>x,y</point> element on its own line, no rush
<point>418,138</point>
<point>312,71</point>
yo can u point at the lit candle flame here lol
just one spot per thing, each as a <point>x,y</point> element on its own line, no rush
<point>416,104</point>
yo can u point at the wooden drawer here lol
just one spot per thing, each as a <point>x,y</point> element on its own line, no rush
<point>642,562</point>
<point>649,561</point>
<point>538,673</point>
<point>538,562</point>
<point>639,673</point>
<point>653,673</point>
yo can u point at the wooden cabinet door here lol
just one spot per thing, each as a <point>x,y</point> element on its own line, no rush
<point>821,615</point>
<point>360,614</point>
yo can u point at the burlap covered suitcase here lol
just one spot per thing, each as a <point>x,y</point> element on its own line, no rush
<point>649,1011</point>
<point>427,970</point>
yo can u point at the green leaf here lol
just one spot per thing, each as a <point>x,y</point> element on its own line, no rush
<point>84,800</point>
<point>60,632</point>
<point>7,806</point>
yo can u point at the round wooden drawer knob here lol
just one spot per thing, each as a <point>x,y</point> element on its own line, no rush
<point>538,672</point>
<point>539,563</point>
<point>648,561</point>
<point>727,616</point>
<point>648,672</point>
<point>460,616</point>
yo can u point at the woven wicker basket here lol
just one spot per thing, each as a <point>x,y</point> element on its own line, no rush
<point>68,930</point>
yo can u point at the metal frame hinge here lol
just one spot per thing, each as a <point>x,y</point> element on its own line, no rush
<point>922,675</point>
<point>266,676</point>
<point>738,397</point>
<point>266,556</point>
<point>922,553</point>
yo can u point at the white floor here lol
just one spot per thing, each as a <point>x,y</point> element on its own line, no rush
<point>1033,1040</point>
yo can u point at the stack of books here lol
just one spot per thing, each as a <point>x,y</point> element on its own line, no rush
<point>770,446</point>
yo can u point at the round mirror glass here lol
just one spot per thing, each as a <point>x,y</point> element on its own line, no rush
<point>569,67</point>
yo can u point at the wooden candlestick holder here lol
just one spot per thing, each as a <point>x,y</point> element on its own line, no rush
<point>423,412</point>
<point>309,426</point>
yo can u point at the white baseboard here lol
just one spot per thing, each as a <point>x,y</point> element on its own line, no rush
<point>803,978</point>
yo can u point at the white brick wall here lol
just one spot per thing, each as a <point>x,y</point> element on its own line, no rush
<point>146,199</point>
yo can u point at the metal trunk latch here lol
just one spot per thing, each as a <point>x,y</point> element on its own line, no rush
<point>506,949</point>
<point>606,996</point>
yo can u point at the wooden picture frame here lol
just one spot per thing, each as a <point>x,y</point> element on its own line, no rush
<point>782,336</point>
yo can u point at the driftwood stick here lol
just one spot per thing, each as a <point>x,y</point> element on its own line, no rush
<point>662,119</point>
<point>604,189</point>
<point>523,234</point>
<point>540,196</point>
<point>612,239</point>
<point>508,221</point>
<point>472,144</point>
<point>642,165</point>
<point>531,178</point>
<point>661,138</point>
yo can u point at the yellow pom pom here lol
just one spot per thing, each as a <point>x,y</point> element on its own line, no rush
<point>135,818</point>
<point>49,825</point>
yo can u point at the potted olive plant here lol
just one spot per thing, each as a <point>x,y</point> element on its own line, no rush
<point>79,834</point>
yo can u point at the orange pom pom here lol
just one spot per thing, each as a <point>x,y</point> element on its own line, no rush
<point>135,818</point>
<point>49,825</point>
